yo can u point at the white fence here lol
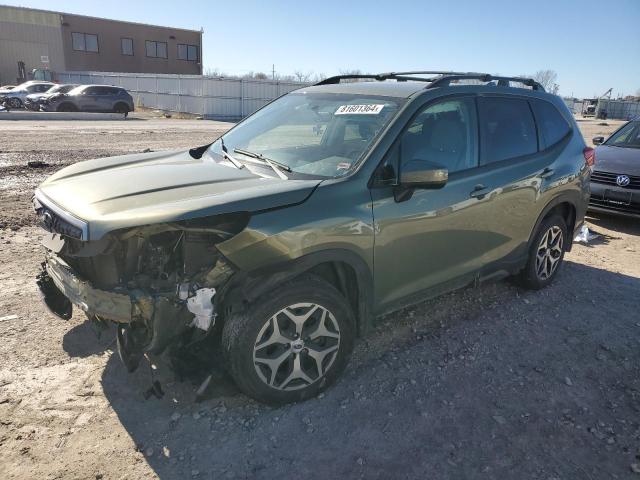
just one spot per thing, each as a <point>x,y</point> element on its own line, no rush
<point>211,97</point>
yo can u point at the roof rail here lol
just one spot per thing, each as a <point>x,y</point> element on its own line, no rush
<point>380,77</point>
<point>446,80</point>
<point>442,79</point>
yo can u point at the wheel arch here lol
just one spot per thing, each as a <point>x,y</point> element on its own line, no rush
<point>343,269</point>
<point>72,107</point>
<point>121,103</point>
<point>565,206</point>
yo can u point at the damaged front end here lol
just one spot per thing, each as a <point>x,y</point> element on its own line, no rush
<point>158,283</point>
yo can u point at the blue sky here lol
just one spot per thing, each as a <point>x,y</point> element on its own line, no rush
<point>592,45</point>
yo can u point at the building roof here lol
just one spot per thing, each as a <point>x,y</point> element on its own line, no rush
<point>98,18</point>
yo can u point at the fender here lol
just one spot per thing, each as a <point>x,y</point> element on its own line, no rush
<point>246,287</point>
<point>574,199</point>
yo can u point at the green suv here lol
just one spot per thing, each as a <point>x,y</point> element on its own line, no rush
<point>281,241</point>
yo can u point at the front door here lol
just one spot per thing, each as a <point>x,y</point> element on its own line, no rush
<point>88,100</point>
<point>425,238</point>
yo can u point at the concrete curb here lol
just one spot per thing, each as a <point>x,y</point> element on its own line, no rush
<point>27,115</point>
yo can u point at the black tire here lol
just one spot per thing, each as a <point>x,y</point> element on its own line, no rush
<point>66,107</point>
<point>241,332</point>
<point>121,108</point>
<point>531,277</point>
<point>14,103</point>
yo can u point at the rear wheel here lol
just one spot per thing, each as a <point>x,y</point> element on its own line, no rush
<point>121,108</point>
<point>546,253</point>
<point>291,344</point>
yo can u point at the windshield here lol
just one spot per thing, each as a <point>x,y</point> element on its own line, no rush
<point>316,134</point>
<point>628,136</point>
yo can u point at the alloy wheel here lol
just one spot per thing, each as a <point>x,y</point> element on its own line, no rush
<point>549,252</point>
<point>296,346</point>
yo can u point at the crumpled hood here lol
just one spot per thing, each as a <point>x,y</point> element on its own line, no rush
<point>142,189</point>
<point>618,160</point>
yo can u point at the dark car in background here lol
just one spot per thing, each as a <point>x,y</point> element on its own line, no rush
<point>33,100</point>
<point>615,181</point>
<point>90,98</point>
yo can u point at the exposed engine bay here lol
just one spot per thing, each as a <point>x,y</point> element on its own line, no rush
<point>160,283</point>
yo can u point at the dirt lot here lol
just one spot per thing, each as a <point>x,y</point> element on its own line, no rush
<point>491,382</point>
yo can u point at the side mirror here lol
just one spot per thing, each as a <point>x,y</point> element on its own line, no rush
<point>598,140</point>
<point>419,173</point>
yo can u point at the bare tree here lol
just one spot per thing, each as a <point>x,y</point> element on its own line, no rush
<point>214,72</point>
<point>548,79</point>
<point>318,77</point>
<point>301,76</point>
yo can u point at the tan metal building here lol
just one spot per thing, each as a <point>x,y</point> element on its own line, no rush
<point>66,42</point>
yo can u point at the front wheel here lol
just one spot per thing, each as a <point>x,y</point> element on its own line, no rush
<point>290,344</point>
<point>15,103</point>
<point>546,253</point>
<point>66,107</point>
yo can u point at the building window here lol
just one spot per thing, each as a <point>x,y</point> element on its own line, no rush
<point>84,42</point>
<point>188,52</point>
<point>126,46</point>
<point>156,49</point>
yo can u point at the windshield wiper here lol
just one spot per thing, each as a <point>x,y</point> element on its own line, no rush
<point>225,154</point>
<point>277,166</point>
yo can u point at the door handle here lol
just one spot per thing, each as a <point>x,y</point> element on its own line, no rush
<point>547,172</point>
<point>479,191</point>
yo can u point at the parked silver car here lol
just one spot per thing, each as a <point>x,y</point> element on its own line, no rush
<point>33,100</point>
<point>15,97</point>
<point>90,98</point>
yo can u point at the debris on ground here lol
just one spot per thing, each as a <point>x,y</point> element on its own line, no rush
<point>37,164</point>
<point>585,236</point>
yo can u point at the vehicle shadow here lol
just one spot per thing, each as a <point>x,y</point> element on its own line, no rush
<point>85,339</point>
<point>230,436</point>
<point>628,225</point>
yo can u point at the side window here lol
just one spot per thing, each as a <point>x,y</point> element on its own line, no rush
<point>443,133</point>
<point>551,124</point>
<point>507,129</point>
<point>91,91</point>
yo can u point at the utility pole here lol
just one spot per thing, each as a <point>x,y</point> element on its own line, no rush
<point>273,71</point>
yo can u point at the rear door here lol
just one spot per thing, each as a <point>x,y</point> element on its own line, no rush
<point>516,172</point>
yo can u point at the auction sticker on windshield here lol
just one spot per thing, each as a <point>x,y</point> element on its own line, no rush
<point>372,109</point>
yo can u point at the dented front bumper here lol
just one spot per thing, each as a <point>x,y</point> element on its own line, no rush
<point>93,301</point>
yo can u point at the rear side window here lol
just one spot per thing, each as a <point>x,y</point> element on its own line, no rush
<point>551,124</point>
<point>507,129</point>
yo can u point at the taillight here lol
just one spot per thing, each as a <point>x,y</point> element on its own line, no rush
<point>589,156</point>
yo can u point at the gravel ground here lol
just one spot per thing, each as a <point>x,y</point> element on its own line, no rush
<point>489,382</point>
